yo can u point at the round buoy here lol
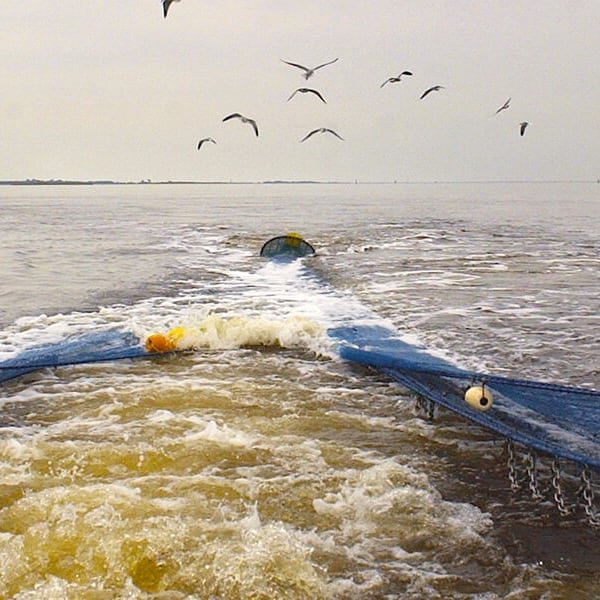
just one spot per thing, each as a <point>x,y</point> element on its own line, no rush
<point>479,397</point>
<point>159,342</point>
<point>294,239</point>
<point>175,335</point>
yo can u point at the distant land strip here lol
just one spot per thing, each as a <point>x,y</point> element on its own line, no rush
<point>271,182</point>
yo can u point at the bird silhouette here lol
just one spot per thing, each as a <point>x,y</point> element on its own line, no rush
<point>435,88</point>
<point>305,91</point>
<point>203,140</point>
<point>321,130</point>
<point>396,79</point>
<point>504,106</point>
<point>522,127</point>
<point>166,4</point>
<point>243,120</point>
<point>307,71</point>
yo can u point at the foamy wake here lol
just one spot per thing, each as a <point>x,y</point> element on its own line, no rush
<point>225,333</point>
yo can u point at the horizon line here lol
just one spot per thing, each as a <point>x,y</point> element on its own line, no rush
<point>49,182</point>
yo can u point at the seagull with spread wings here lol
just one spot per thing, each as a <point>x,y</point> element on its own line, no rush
<point>307,71</point>
<point>396,79</point>
<point>166,4</point>
<point>504,106</point>
<point>243,119</point>
<point>203,140</point>
<point>435,88</point>
<point>305,91</point>
<point>321,130</point>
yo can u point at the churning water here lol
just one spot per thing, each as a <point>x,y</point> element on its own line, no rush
<point>260,466</point>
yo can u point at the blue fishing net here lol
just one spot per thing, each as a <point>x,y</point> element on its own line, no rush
<point>562,421</point>
<point>96,346</point>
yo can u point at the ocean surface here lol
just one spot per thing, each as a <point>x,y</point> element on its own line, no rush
<point>259,465</point>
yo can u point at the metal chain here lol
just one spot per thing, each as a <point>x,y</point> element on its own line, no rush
<point>512,466</point>
<point>558,497</point>
<point>587,493</point>
<point>530,459</point>
<point>429,409</point>
<point>425,407</point>
<point>419,401</point>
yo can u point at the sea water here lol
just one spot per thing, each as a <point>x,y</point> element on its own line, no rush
<point>258,465</point>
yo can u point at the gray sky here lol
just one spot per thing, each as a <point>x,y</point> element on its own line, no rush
<point>110,89</point>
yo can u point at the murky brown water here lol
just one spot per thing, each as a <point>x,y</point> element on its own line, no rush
<point>268,472</point>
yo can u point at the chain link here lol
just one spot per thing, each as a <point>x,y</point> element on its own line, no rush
<point>530,460</point>
<point>425,407</point>
<point>587,493</point>
<point>512,466</point>
<point>430,410</point>
<point>557,496</point>
<point>419,401</point>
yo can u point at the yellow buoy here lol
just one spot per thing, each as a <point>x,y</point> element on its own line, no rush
<point>479,397</point>
<point>294,239</point>
<point>175,335</point>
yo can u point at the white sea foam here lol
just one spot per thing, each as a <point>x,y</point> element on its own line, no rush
<point>220,434</point>
<point>18,451</point>
<point>217,332</point>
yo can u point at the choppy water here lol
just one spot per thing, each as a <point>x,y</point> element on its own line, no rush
<point>270,472</point>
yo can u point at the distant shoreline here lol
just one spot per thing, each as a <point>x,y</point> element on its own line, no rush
<point>65,182</point>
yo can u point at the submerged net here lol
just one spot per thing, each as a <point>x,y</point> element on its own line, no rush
<point>288,246</point>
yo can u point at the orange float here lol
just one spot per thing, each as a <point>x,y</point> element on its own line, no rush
<point>164,342</point>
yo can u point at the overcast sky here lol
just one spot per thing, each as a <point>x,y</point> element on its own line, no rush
<point>110,89</point>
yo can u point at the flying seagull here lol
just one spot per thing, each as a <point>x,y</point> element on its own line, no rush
<point>523,127</point>
<point>321,130</point>
<point>309,72</point>
<point>166,4</point>
<point>435,88</point>
<point>207,139</point>
<point>305,90</point>
<point>395,79</point>
<point>504,106</point>
<point>243,120</point>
